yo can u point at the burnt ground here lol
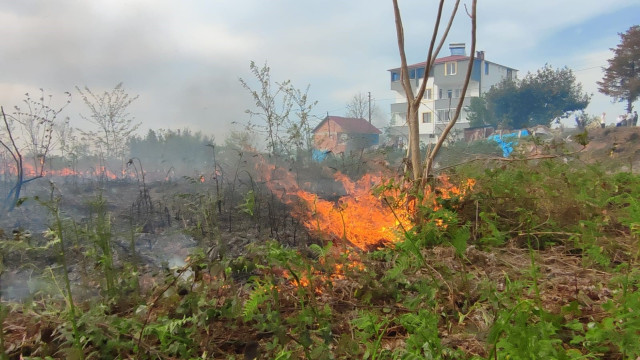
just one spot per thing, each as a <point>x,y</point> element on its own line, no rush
<point>164,220</point>
<point>167,228</point>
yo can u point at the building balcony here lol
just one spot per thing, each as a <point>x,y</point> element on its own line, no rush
<point>399,108</point>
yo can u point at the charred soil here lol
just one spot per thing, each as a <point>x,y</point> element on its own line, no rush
<point>511,260</point>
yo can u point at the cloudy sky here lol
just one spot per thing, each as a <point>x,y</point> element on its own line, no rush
<point>184,58</point>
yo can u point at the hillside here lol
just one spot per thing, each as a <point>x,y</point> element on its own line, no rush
<point>614,146</point>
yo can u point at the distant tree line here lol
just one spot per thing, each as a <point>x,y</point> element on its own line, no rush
<point>172,151</point>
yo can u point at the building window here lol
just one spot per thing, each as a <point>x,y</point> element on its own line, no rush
<point>486,68</point>
<point>456,93</point>
<point>449,94</point>
<point>412,74</point>
<point>440,94</point>
<point>427,94</point>
<point>395,76</point>
<point>432,136</point>
<point>443,116</point>
<point>509,74</point>
<point>426,118</point>
<point>450,68</point>
<point>420,73</point>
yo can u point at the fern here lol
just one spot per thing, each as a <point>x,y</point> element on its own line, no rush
<point>249,203</point>
<point>396,272</point>
<point>422,329</point>
<point>459,239</point>
<point>495,236</point>
<point>597,255</point>
<point>257,297</point>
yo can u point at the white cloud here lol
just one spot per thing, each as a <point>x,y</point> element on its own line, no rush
<point>184,57</point>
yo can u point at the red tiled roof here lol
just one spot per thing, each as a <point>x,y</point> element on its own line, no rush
<point>352,125</point>
<point>438,61</point>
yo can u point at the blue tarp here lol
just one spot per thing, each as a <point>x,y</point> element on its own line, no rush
<point>507,146</point>
<point>319,155</point>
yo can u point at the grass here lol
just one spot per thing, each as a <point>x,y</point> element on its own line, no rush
<point>538,260</point>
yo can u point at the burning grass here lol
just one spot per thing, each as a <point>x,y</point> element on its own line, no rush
<point>371,214</point>
<point>500,279</point>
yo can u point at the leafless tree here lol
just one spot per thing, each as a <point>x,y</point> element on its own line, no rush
<point>419,172</point>
<point>29,131</point>
<point>299,130</point>
<point>109,111</point>
<point>284,111</point>
<point>273,105</point>
<point>362,106</point>
<point>358,107</point>
<point>35,121</point>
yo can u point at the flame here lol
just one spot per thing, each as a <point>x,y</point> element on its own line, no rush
<point>30,171</point>
<point>318,278</point>
<point>359,218</point>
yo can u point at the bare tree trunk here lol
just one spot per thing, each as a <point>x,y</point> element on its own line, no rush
<point>432,155</point>
<point>14,194</point>
<point>413,102</point>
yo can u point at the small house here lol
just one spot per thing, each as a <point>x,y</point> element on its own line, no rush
<point>344,135</point>
<point>478,132</point>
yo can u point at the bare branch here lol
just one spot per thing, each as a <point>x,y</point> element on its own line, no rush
<point>452,122</point>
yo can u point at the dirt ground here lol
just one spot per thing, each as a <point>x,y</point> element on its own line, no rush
<point>614,146</point>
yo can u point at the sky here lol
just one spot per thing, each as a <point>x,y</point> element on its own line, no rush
<point>185,58</point>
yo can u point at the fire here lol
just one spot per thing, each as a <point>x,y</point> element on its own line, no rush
<point>30,171</point>
<point>360,218</point>
<point>318,278</point>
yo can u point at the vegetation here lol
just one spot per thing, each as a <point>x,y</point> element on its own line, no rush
<point>477,112</point>
<point>266,255</point>
<point>29,131</point>
<point>621,78</point>
<point>171,152</point>
<point>420,174</point>
<point>513,259</point>
<point>362,106</point>
<point>285,133</point>
<point>109,112</point>
<point>537,99</point>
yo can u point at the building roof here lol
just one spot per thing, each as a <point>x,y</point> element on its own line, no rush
<point>351,125</point>
<point>438,61</point>
<point>445,60</point>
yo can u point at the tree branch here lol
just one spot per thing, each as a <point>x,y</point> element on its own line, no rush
<point>452,122</point>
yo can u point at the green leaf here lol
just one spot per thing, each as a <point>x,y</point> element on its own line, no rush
<point>459,240</point>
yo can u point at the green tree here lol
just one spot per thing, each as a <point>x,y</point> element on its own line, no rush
<point>621,78</point>
<point>502,103</point>
<point>537,99</point>
<point>477,112</point>
<point>181,151</point>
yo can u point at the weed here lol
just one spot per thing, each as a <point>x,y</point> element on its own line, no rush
<point>371,328</point>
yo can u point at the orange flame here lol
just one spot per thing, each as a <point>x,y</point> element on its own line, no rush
<point>360,217</point>
<point>318,278</point>
<point>30,171</point>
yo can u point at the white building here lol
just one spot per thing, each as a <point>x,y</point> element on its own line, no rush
<point>443,91</point>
